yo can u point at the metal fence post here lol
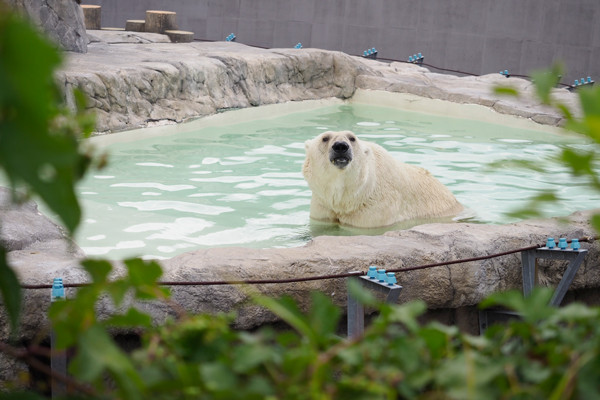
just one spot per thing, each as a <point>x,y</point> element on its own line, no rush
<point>58,358</point>
<point>574,254</point>
<point>377,280</point>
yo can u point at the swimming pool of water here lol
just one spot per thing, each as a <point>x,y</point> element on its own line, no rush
<point>241,184</point>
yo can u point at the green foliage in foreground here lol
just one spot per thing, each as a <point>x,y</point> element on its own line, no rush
<point>551,353</point>
<point>581,162</point>
<point>39,149</point>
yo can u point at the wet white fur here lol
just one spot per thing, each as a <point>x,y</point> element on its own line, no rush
<point>374,190</point>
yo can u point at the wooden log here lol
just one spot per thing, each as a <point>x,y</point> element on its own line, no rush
<point>180,36</point>
<point>92,16</point>
<point>160,21</point>
<point>135,25</point>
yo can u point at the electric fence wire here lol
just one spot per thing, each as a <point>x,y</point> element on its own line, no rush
<point>390,60</point>
<point>322,277</point>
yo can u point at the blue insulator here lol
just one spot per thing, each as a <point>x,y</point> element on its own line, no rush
<point>410,59</point>
<point>58,290</point>
<point>372,274</point>
<point>575,244</point>
<point>589,79</point>
<point>381,276</point>
<point>576,82</point>
<point>420,55</point>
<point>391,279</point>
<point>562,243</point>
<point>550,243</point>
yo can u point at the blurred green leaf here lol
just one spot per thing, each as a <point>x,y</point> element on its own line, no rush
<point>436,340</point>
<point>533,207</point>
<point>143,277</point>
<point>590,104</point>
<point>287,309</point>
<point>408,313</point>
<point>506,91</point>
<point>218,377</point>
<point>70,318</point>
<point>580,162</point>
<point>98,270</point>
<point>132,318</point>
<point>546,80</point>
<point>33,150</point>
<point>20,395</point>
<point>360,293</point>
<point>324,316</point>
<point>513,164</point>
<point>10,288</point>
<point>533,308</point>
<point>143,272</point>
<point>98,354</point>
<point>596,222</point>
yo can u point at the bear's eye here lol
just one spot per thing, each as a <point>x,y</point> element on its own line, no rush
<point>352,139</point>
<point>325,138</point>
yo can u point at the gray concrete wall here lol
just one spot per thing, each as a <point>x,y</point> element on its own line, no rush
<point>477,36</point>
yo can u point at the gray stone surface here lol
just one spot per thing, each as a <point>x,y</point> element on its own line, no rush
<point>39,251</point>
<point>135,79</point>
<point>453,286</point>
<point>130,85</point>
<point>442,287</point>
<point>24,228</point>
<point>62,20</point>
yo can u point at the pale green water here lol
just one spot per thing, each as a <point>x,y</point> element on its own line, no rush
<point>241,185</point>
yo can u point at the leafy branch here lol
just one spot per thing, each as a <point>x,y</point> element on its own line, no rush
<point>581,162</point>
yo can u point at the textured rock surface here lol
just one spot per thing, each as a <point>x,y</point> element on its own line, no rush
<point>441,287</point>
<point>131,85</point>
<point>38,251</point>
<point>62,20</point>
<point>132,80</point>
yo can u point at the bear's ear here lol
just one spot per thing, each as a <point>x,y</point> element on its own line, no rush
<point>307,144</point>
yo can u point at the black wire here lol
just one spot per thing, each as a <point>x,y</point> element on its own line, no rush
<point>322,277</point>
<point>454,71</point>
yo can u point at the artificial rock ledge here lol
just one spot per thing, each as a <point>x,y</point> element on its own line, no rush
<point>137,79</point>
<point>39,258</point>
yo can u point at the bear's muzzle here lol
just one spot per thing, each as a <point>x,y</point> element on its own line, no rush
<point>340,154</point>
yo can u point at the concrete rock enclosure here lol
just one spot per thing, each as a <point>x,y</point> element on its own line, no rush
<point>132,85</point>
<point>61,20</point>
<point>132,80</point>
<point>136,79</point>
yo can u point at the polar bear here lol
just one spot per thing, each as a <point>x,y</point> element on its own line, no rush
<point>360,184</point>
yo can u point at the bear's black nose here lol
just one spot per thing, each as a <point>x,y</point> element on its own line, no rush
<point>340,147</point>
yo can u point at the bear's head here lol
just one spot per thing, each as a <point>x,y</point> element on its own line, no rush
<point>340,148</point>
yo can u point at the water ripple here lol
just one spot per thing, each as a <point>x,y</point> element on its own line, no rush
<point>242,184</point>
